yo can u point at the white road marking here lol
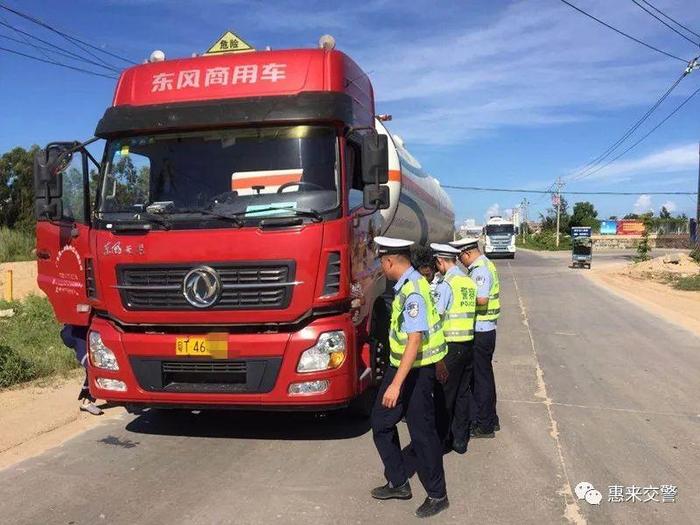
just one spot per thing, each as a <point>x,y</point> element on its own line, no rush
<point>572,511</point>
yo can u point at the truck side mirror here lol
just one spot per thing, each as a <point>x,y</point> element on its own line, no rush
<point>375,197</point>
<point>375,159</point>
<point>49,165</point>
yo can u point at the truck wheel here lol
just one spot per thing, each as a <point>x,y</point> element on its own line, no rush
<point>379,342</point>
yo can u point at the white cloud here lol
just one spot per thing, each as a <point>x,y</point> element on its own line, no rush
<point>670,206</point>
<point>452,71</point>
<point>643,204</point>
<point>494,209</point>
<point>534,64</point>
<point>672,159</point>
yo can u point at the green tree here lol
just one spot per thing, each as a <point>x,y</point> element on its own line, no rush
<point>549,221</point>
<point>631,216</point>
<point>664,213</point>
<point>585,214</point>
<point>17,188</point>
<point>643,247</point>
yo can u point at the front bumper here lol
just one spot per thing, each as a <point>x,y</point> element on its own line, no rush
<point>263,367</point>
<point>499,249</point>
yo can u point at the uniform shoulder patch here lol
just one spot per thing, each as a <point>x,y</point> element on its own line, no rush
<point>480,279</point>
<point>412,309</point>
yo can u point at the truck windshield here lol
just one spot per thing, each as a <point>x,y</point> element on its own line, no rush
<point>252,172</point>
<point>500,229</point>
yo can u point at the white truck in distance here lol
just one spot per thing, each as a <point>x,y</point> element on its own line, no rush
<point>499,238</point>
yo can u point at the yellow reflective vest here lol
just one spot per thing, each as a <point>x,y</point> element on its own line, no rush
<point>433,347</point>
<point>458,321</point>
<point>492,310</point>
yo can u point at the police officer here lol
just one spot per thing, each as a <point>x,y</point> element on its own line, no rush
<point>416,343</point>
<point>488,307</point>
<point>75,337</point>
<point>423,260</point>
<point>456,304</point>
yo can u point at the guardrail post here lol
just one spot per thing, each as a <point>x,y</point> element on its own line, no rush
<point>7,288</point>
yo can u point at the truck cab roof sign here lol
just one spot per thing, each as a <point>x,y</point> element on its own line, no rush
<point>229,42</point>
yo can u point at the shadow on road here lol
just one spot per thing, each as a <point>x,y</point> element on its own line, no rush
<point>249,425</point>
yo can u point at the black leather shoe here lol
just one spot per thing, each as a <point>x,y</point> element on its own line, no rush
<point>389,492</point>
<point>478,432</point>
<point>459,446</point>
<point>432,506</point>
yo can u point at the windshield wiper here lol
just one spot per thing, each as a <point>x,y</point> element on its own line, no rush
<point>232,218</point>
<point>141,221</point>
<point>313,214</point>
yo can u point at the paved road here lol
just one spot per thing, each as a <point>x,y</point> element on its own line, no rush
<point>590,388</point>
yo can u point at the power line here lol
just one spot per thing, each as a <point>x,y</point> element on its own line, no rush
<point>623,33</point>
<point>74,40</point>
<point>56,63</point>
<point>665,23</point>
<point>66,37</point>
<point>649,133</point>
<point>513,190</point>
<point>669,18</point>
<point>63,51</point>
<point>25,40</point>
<point>58,51</point>
<point>585,171</point>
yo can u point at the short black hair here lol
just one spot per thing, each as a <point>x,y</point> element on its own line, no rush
<point>422,256</point>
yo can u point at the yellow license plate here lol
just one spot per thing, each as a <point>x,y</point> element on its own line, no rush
<point>209,345</point>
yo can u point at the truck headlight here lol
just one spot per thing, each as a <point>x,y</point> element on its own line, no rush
<point>100,355</point>
<point>326,354</point>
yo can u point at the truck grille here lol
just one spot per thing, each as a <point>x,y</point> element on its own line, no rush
<point>206,375</point>
<point>245,286</point>
<point>204,367</point>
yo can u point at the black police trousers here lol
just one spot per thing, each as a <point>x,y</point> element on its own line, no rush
<point>483,382</point>
<point>417,405</point>
<point>452,399</point>
<point>75,337</point>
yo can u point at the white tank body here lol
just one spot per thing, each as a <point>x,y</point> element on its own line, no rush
<point>420,210</point>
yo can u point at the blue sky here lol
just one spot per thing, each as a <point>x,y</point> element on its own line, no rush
<point>484,93</point>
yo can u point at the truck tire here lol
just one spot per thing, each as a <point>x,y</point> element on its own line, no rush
<point>362,405</point>
<point>379,340</point>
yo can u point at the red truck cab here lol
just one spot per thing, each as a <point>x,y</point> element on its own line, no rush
<point>220,252</point>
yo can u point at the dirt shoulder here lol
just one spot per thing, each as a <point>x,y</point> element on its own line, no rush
<point>42,415</point>
<point>676,306</point>
<point>23,278</point>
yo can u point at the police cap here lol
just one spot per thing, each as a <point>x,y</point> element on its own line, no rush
<point>392,246</point>
<point>466,243</point>
<point>444,250</point>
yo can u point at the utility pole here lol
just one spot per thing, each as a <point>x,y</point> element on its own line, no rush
<point>560,185</point>
<point>697,212</point>
<point>523,217</point>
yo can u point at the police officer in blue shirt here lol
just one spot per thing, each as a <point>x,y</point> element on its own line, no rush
<point>452,397</point>
<point>483,272</point>
<point>416,343</point>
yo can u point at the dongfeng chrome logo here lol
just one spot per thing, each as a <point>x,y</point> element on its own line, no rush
<point>202,287</point>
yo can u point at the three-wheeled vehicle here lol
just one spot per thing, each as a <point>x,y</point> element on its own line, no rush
<point>581,247</point>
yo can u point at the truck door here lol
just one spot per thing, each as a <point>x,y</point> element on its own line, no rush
<point>61,184</point>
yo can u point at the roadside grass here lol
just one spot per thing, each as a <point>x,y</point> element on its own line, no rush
<point>695,254</point>
<point>544,241</point>
<point>691,283</point>
<point>30,344</point>
<point>16,245</point>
